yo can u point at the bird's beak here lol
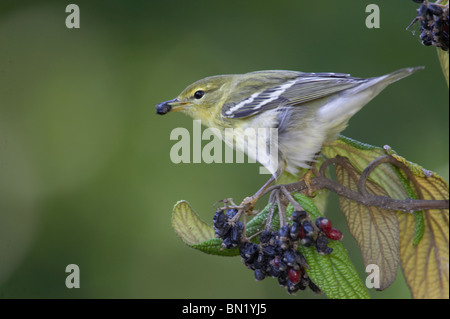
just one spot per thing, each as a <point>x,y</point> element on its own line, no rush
<point>170,106</point>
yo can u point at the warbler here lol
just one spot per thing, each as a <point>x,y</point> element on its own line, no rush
<point>306,109</point>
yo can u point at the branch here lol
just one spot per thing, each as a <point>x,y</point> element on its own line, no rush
<point>362,196</point>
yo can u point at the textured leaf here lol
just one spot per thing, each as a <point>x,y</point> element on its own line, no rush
<point>425,265</point>
<point>360,155</point>
<point>214,247</point>
<point>196,233</point>
<point>189,226</point>
<point>432,186</point>
<point>425,262</point>
<point>423,236</point>
<point>258,221</point>
<point>334,274</point>
<point>375,230</point>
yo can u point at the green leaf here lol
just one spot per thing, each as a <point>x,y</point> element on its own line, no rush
<point>334,274</point>
<point>258,221</point>
<point>196,233</point>
<point>419,228</point>
<point>418,215</point>
<point>307,204</point>
<point>189,226</point>
<point>214,247</point>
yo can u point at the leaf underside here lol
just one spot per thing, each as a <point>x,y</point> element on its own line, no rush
<point>426,263</point>
<point>374,229</point>
<point>189,226</point>
<point>423,236</point>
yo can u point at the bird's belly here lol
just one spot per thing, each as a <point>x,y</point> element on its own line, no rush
<point>300,145</point>
<point>258,138</point>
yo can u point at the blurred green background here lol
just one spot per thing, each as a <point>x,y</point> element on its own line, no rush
<point>85,172</point>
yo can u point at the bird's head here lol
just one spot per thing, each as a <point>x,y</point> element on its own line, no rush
<point>201,100</point>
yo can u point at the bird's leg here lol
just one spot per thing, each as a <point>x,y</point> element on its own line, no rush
<point>307,176</point>
<point>249,202</point>
<point>307,179</point>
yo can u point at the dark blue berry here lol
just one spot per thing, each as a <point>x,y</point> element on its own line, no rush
<point>304,282</point>
<point>284,232</point>
<point>301,260</point>
<point>314,287</point>
<point>265,236</point>
<point>298,216</point>
<point>435,9</point>
<point>295,230</point>
<point>307,242</point>
<point>231,213</point>
<point>219,219</point>
<point>292,288</point>
<point>321,244</point>
<point>308,228</point>
<point>269,251</point>
<point>227,243</point>
<point>236,233</point>
<point>249,252</point>
<point>289,257</point>
<point>259,275</point>
<point>283,278</point>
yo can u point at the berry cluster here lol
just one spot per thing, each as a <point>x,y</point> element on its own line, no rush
<point>434,26</point>
<point>225,228</point>
<point>277,256</point>
<point>277,253</point>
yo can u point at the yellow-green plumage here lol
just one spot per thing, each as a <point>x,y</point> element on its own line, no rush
<point>307,109</point>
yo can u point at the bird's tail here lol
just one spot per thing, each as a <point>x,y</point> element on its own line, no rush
<point>377,84</point>
<point>400,74</point>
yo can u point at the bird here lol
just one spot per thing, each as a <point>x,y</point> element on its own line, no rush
<point>307,110</point>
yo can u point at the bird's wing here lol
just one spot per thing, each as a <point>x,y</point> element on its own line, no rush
<point>290,93</point>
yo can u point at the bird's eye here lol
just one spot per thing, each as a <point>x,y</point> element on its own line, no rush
<point>199,94</point>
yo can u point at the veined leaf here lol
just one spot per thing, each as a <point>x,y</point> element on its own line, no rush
<point>374,229</point>
<point>425,263</point>
<point>431,185</point>
<point>307,204</point>
<point>334,274</point>
<point>360,155</point>
<point>189,226</point>
<point>196,233</point>
<point>258,221</point>
<point>423,238</point>
<point>214,247</point>
<point>199,235</point>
